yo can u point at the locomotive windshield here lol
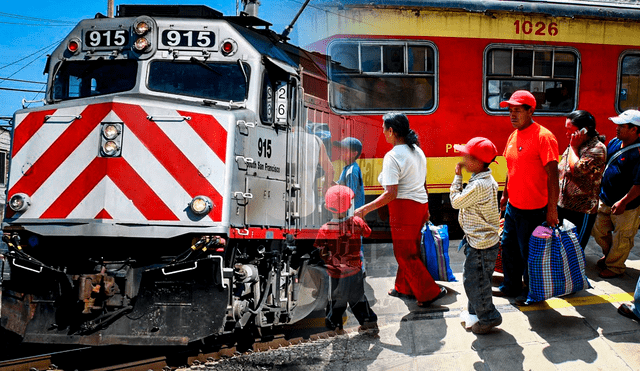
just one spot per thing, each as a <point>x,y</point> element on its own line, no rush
<point>218,81</point>
<point>91,78</point>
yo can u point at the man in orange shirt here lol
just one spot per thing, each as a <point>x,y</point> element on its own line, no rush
<point>531,193</point>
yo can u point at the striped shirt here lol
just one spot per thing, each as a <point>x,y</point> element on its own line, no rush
<point>479,214</point>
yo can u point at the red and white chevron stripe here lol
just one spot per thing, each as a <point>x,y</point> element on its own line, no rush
<point>164,164</point>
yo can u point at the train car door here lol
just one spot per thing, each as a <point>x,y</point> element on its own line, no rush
<point>266,187</point>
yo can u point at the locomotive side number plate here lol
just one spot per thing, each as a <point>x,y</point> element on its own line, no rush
<point>106,38</point>
<point>188,38</point>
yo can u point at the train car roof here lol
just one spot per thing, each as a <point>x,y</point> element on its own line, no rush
<point>601,9</point>
<point>263,39</point>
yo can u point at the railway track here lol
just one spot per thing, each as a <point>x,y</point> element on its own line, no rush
<point>94,359</point>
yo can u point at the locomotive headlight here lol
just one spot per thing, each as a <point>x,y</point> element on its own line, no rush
<point>19,202</point>
<point>201,205</point>
<point>110,148</point>
<point>141,44</point>
<point>141,28</point>
<point>110,131</point>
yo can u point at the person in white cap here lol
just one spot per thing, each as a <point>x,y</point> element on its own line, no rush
<point>618,212</point>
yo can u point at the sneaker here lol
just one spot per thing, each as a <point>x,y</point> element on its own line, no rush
<point>481,329</point>
<point>369,328</point>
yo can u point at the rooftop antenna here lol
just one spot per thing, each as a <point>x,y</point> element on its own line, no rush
<point>287,30</point>
<point>251,7</point>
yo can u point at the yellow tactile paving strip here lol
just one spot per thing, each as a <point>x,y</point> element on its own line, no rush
<point>556,303</point>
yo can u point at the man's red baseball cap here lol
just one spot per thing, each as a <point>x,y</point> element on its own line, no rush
<point>520,97</point>
<point>338,199</point>
<point>481,148</point>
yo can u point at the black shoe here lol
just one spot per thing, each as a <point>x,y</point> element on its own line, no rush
<point>522,301</point>
<point>443,292</point>
<point>400,295</point>
<point>601,263</point>
<point>627,312</point>
<point>498,292</point>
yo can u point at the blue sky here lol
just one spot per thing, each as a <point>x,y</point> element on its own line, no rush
<point>32,29</point>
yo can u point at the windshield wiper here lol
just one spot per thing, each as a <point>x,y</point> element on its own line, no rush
<point>244,73</point>
<point>201,63</point>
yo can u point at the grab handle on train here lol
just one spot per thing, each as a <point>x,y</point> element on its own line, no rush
<point>195,266</point>
<point>27,268</point>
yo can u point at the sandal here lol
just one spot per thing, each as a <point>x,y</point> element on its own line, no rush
<point>396,294</point>
<point>443,292</point>
<point>627,312</point>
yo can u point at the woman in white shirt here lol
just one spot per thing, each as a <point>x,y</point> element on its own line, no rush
<point>404,170</point>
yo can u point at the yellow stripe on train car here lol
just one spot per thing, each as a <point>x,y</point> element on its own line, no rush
<point>494,25</point>
<point>440,172</point>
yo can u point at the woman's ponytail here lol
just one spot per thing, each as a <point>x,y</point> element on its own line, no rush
<point>412,139</point>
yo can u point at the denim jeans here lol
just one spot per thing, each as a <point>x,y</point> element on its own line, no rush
<point>583,222</point>
<point>635,307</point>
<point>477,277</point>
<point>518,227</point>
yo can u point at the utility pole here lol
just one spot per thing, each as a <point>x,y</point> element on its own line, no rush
<point>110,8</point>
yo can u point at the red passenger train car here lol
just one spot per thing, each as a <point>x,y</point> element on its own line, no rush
<point>448,64</point>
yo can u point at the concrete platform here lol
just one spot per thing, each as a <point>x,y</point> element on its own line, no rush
<point>579,332</point>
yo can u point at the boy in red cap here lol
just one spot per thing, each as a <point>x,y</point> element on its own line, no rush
<point>339,241</point>
<point>479,218</point>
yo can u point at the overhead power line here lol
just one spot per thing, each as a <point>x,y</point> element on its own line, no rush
<point>32,54</point>
<point>27,18</point>
<point>25,81</point>
<point>36,24</point>
<point>25,90</point>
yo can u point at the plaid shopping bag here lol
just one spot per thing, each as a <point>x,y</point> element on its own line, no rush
<point>434,252</point>
<point>556,262</point>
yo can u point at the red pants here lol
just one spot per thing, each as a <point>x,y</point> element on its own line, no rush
<point>406,218</point>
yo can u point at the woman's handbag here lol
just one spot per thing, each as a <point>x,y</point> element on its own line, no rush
<point>434,252</point>
<point>556,262</point>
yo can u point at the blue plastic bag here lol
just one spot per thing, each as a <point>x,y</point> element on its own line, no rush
<point>434,252</point>
<point>556,262</point>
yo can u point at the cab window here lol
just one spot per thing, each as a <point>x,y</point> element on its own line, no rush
<point>375,77</point>
<point>208,80</point>
<point>629,81</point>
<point>550,74</point>
<point>92,78</point>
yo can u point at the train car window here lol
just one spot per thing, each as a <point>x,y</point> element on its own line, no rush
<point>420,59</point>
<point>93,78</point>
<point>629,81</point>
<point>550,73</point>
<point>393,57</point>
<point>375,77</point>
<point>370,57</point>
<point>543,65</point>
<point>212,80</point>
<point>346,57</point>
